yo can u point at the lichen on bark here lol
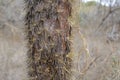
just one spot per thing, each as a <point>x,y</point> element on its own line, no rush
<point>48,33</point>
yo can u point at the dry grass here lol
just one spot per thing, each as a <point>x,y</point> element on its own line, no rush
<point>95,57</point>
<point>94,51</point>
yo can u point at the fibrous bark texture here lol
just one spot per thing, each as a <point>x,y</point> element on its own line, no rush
<point>48,33</point>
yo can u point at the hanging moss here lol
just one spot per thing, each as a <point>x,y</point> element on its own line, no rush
<point>48,31</point>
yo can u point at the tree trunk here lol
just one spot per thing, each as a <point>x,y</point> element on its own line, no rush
<point>48,33</point>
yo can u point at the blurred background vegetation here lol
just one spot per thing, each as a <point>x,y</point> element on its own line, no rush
<point>96,41</point>
<point>12,43</point>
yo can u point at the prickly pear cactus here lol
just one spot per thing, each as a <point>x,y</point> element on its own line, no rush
<point>48,33</point>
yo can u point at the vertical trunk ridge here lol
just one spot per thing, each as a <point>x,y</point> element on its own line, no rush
<point>48,33</point>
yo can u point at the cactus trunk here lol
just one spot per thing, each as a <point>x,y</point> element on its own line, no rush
<point>48,33</point>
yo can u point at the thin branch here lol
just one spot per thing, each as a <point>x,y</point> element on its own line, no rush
<point>109,13</point>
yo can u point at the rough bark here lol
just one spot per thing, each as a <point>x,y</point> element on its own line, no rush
<point>48,33</point>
